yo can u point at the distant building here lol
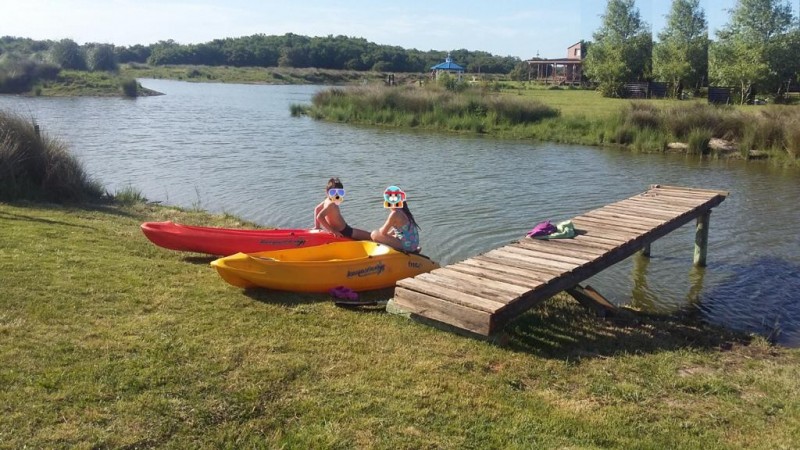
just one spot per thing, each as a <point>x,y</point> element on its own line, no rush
<point>448,66</point>
<point>567,70</point>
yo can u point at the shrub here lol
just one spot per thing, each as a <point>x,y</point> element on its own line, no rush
<point>698,140</point>
<point>792,139</point>
<point>101,57</point>
<point>129,87</point>
<point>127,196</point>
<point>67,54</point>
<point>18,74</point>
<point>643,115</point>
<point>37,167</point>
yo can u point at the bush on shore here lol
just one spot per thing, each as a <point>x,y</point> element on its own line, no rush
<point>641,126</point>
<point>36,167</point>
<point>432,107</point>
<point>772,129</point>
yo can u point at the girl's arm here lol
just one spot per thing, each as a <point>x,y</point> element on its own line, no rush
<point>386,229</point>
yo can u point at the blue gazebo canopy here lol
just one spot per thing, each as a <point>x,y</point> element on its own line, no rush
<point>448,64</point>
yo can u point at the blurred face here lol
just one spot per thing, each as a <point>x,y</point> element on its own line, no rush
<point>393,197</point>
<point>336,195</point>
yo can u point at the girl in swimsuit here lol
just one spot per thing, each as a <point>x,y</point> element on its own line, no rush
<point>400,230</point>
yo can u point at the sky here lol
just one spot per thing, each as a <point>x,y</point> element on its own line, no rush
<point>517,28</point>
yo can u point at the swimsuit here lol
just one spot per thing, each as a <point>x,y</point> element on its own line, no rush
<point>347,231</point>
<point>408,235</point>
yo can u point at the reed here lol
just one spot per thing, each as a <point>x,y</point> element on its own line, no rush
<point>37,167</point>
<point>698,141</point>
<point>792,139</point>
<point>127,196</point>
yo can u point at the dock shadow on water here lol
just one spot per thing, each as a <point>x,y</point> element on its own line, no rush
<point>758,296</point>
<point>562,329</point>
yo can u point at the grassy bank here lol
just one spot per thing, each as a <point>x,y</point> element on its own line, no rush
<point>253,75</point>
<point>109,341</point>
<point>73,83</point>
<point>425,108</point>
<point>574,116</point>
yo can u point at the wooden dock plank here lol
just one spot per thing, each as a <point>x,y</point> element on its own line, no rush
<point>501,257</point>
<point>634,208</point>
<point>709,192</point>
<point>449,294</point>
<point>475,284</point>
<point>619,222</point>
<point>501,272</point>
<point>533,258</point>
<point>572,251</point>
<point>551,253</point>
<point>481,294</point>
<point>627,217</point>
<point>434,308</point>
<point>665,203</point>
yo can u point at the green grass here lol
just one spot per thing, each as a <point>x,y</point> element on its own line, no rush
<point>109,341</point>
<point>36,166</point>
<point>251,75</point>
<point>71,83</point>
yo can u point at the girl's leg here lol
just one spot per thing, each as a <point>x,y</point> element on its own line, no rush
<point>391,241</point>
<point>361,235</point>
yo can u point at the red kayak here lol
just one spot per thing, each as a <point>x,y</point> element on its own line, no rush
<point>227,241</point>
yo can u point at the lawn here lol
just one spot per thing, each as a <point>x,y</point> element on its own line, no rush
<point>109,341</point>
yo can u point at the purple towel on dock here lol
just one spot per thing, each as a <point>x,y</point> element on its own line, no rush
<point>542,229</point>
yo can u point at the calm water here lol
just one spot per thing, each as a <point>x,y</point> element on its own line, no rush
<point>235,148</point>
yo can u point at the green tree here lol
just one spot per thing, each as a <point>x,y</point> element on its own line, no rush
<point>102,57</point>
<point>622,49</point>
<point>737,63</point>
<point>681,55</point>
<point>754,48</point>
<point>67,54</point>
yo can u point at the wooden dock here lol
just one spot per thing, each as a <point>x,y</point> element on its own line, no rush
<point>482,294</point>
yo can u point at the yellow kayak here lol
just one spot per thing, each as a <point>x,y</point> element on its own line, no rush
<point>357,265</point>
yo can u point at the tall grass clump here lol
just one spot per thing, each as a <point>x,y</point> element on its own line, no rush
<point>643,115</point>
<point>129,87</point>
<point>431,107</point>
<point>127,196</point>
<point>792,139</point>
<point>682,121</point>
<point>698,140</point>
<point>37,167</point>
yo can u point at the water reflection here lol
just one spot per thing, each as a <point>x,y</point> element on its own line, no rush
<point>760,296</point>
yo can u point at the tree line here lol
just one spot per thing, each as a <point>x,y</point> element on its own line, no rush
<point>23,61</point>
<point>758,50</point>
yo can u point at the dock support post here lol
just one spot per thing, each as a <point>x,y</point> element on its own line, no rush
<point>701,239</point>
<point>646,250</point>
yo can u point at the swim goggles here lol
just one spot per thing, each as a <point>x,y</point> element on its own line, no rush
<point>336,193</point>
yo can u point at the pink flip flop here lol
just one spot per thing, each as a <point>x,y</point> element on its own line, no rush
<point>343,292</point>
